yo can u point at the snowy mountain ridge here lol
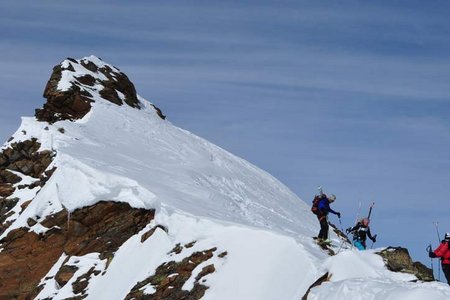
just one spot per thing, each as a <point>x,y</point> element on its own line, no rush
<point>141,209</point>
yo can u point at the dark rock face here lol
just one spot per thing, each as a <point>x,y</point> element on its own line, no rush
<point>324,278</point>
<point>64,274</point>
<point>170,277</point>
<point>75,103</point>
<point>27,256</point>
<point>159,112</point>
<point>63,105</point>
<point>397,259</point>
<point>23,157</point>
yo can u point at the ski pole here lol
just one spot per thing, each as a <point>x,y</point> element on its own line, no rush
<point>375,237</point>
<point>436,225</point>
<point>356,220</point>
<point>341,237</point>
<point>431,259</point>
<point>340,223</point>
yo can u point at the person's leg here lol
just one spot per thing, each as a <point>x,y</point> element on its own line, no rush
<point>320,232</point>
<point>446,270</point>
<point>359,245</point>
<point>323,227</point>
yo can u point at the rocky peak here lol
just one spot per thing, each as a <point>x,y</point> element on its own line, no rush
<point>397,259</point>
<point>75,84</point>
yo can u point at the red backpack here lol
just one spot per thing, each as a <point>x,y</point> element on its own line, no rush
<point>315,204</point>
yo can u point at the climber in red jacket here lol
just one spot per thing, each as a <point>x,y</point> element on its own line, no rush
<point>443,251</point>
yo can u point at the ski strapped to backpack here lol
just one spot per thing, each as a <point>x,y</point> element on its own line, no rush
<point>370,210</point>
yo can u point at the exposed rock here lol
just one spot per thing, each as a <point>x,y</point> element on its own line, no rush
<point>159,112</point>
<point>8,177</point>
<point>101,228</point>
<point>177,249</point>
<point>86,79</point>
<point>3,161</point>
<point>62,105</point>
<point>64,274</point>
<point>6,190</point>
<point>5,206</point>
<point>149,233</point>
<point>397,259</point>
<point>223,254</point>
<point>31,222</point>
<point>25,205</point>
<point>75,102</point>
<point>190,245</point>
<point>24,157</point>
<point>170,277</point>
<point>423,273</point>
<point>82,282</point>
<point>205,271</point>
<point>118,81</point>
<point>324,278</point>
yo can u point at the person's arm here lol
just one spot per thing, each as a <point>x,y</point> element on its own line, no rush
<point>353,229</point>
<point>439,252</point>
<point>369,234</point>
<point>334,212</point>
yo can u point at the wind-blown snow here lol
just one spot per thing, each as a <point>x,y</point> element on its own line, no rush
<point>201,193</point>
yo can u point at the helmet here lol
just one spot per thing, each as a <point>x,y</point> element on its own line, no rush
<point>332,197</point>
<point>447,236</point>
<point>365,221</point>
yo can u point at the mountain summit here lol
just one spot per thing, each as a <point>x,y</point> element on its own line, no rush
<point>101,197</point>
<point>75,84</point>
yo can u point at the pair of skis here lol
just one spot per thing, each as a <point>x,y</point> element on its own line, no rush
<point>359,211</point>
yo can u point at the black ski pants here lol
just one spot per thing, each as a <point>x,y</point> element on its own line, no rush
<point>323,234</point>
<point>446,270</point>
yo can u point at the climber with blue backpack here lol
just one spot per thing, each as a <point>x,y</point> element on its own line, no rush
<point>321,208</point>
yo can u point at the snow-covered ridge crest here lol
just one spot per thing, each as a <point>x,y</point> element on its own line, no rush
<point>75,185</point>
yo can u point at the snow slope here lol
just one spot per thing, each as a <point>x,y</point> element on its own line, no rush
<point>201,193</point>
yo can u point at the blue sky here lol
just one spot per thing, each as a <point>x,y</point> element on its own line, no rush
<point>353,96</point>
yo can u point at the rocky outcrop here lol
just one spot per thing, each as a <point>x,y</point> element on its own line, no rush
<point>72,104</point>
<point>21,157</point>
<point>25,158</point>
<point>324,278</point>
<point>89,79</point>
<point>27,257</point>
<point>397,259</point>
<point>170,277</point>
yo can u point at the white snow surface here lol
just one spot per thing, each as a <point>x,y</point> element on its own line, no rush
<point>201,193</point>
